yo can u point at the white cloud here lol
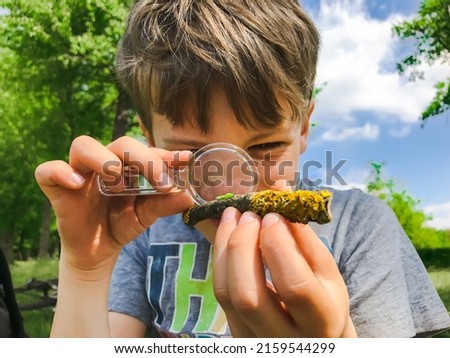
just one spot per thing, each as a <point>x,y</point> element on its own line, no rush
<point>355,50</point>
<point>441,215</point>
<point>335,134</point>
<point>400,132</point>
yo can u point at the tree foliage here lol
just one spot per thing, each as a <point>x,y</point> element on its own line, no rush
<point>57,81</point>
<point>412,219</point>
<point>431,29</point>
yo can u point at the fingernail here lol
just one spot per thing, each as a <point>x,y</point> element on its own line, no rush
<point>77,178</point>
<point>270,219</point>
<point>165,180</point>
<point>247,217</point>
<point>185,154</point>
<point>228,215</point>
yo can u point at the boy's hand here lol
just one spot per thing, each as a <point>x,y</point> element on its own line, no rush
<point>94,227</point>
<point>308,297</point>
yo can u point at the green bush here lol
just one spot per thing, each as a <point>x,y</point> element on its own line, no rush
<point>434,259</point>
<point>413,220</point>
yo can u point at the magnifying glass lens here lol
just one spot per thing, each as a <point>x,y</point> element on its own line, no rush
<point>220,169</point>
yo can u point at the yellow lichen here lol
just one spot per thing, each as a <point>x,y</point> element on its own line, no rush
<point>296,206</point>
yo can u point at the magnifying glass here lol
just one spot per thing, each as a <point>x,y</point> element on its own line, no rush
<point>214,170</point>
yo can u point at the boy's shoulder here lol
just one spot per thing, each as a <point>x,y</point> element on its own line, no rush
<point>358,216</point>
<point>356,204</point>
<point>354,199</point>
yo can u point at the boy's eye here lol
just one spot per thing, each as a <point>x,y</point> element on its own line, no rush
<point>264,147</point>
<point>266,151</point>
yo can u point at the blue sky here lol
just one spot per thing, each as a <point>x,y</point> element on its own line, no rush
<point>368,112</point>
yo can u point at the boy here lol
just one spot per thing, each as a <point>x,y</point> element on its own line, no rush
<point>240,72</point>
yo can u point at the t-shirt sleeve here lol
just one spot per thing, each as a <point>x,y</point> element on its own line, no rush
<point>391,294</point>
<point>127,292</point>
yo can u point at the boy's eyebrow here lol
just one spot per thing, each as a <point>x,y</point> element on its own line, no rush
<point>182,141</point>
<point>195,143</point>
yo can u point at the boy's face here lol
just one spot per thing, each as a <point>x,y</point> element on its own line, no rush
<point>276,150</point>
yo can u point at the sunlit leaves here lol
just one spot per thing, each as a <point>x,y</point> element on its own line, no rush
<point>57,81</point>
<point>431,29</point>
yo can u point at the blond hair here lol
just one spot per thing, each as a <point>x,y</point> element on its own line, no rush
<point>175,56</point>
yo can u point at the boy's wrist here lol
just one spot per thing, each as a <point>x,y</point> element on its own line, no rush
<point>69,269</point>
<point>82,294</point>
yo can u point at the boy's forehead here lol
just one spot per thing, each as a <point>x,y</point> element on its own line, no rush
<point>223,128</point>
<point>220,115</point>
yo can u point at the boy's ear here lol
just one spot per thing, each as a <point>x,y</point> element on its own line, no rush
<point>146,132</point>
<point>304,130</point>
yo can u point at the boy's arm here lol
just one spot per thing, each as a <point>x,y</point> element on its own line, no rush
<point>80,300</point>
<point>93,228</point>
<point>81,308</point>
<point>308,297</point>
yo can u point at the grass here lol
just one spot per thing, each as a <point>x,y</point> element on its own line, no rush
<point>441,280</point>
<point>23,271</point>
<point>38,322</point>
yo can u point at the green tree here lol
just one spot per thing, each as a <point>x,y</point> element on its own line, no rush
<point>18,212</point>
<point>57,60</point>
<point>431,29</point>
<point>412,219</point>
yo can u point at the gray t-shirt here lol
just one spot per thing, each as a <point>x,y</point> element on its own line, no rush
<point>164,278</point>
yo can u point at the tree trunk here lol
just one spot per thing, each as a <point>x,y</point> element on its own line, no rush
<point>122,118</point>
<point>6,244</point>
<point>45,229</point>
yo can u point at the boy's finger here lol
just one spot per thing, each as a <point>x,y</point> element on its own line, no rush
<point>245,271</point>
<point>324,266</point>
<point>247,284</point>
<point>316,254</point>
<point>227,224</point>
<point>305,297</point>
<point>55,176</point>
<point>88,155</point>
<point>152,163</point>
<point>173,158</point>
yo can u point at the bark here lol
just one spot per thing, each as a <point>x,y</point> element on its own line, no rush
<point>122,118</point>
<point>6,245</point>
<point>301,206</point>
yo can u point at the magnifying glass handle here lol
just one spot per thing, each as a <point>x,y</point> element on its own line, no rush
<point>215,169</point>
<point>135,184</point>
